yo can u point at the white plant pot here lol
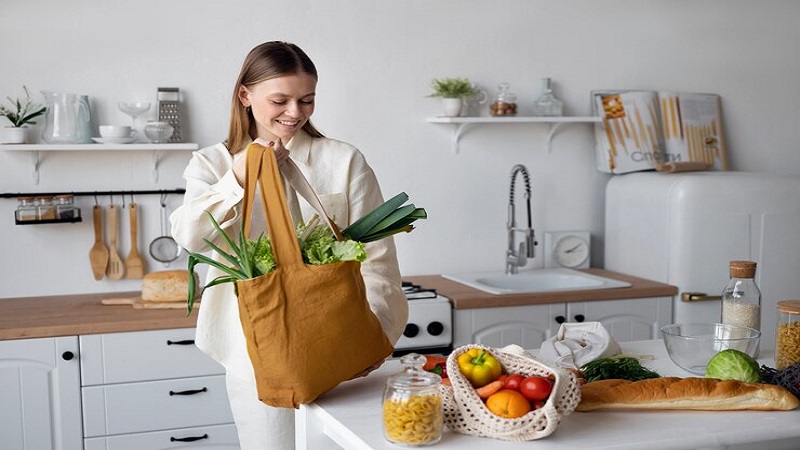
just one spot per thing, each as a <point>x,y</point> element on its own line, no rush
<point>452,106</point>
<point>13,135</point>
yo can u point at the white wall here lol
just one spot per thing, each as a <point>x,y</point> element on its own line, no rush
<point>375,60</point>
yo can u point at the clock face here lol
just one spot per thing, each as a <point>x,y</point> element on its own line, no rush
<point>571,251</point>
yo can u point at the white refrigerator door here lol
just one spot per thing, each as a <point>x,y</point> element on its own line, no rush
<point>683,229</point>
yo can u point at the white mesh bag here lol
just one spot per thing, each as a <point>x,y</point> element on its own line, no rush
<point>465,412</point>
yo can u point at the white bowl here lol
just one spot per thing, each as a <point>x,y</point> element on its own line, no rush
<point>114,131</point>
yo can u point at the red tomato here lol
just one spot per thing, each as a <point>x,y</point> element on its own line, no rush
<point>513,381</point>
<point>535,388</point>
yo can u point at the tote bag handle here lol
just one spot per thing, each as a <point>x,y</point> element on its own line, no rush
<point>262,170</point>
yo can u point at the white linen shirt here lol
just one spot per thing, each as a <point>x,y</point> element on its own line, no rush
<point>347,188</point>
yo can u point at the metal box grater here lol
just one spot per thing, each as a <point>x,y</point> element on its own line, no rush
<point>169,110</point>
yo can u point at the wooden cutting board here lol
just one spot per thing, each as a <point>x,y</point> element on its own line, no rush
<point>138,303</point>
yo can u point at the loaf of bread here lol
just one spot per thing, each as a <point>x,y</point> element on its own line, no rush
<point>166,286</point>
<point>704,394</point>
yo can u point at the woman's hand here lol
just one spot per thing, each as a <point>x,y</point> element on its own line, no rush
<point>240,165</point>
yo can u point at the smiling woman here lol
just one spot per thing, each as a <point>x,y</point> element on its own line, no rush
<point>273,101</point>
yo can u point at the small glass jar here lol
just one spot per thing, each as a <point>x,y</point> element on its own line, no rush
<point>65,207</point>
<point>412,405</point>
<point>504,103</point>
<point>26,210</point>
<point>45,210</point>
<point>787,334</point>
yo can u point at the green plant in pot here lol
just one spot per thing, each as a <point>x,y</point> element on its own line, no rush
<point>452,91</point>
<point>20,113</point>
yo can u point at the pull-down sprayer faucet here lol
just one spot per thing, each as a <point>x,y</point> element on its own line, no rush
<point>517,258</point>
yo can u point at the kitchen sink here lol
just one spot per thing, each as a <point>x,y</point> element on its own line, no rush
<point>534,281</point>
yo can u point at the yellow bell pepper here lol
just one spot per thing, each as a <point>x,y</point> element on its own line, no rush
<point>480,367</point>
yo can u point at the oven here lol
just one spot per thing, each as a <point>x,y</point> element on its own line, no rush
<point>430,322</point>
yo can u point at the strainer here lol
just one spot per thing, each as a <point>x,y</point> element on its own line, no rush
<point>163,248</point>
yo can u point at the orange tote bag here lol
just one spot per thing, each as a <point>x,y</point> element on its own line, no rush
<point>308,327</point>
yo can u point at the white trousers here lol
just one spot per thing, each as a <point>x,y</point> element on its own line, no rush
<point>260,427</point>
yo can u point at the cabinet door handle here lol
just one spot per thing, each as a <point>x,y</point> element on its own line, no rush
<point>189,392</point>
<point>188,439</point>
<point>561,319</point>
<point>698,297</point>
<point>579,318</point>
<point>67,356</point>
<point>186,342</point>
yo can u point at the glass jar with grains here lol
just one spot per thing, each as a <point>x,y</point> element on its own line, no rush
<point>412,406</point>
<point>787,334</point>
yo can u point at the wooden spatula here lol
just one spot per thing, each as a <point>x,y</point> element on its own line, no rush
<point>116,268</point>
<point>98,255</point>
<point>134,264</point>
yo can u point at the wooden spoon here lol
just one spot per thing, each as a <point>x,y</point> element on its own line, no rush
<point>134,264</point>
<point>116,267</point>
<point>98,255</point>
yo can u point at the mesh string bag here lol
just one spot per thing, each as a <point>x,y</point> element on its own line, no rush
<point>465,412</point>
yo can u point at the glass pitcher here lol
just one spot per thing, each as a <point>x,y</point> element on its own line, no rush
<point>67,120</point>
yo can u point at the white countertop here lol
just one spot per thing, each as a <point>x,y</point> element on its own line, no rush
<point>350,415</point>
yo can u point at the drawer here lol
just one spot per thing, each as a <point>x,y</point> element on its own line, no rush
<point>155,405</point>
<point>142,356</point>
<point>217,437</point>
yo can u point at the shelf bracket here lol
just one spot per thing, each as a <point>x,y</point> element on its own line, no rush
<point>156,163</point>
<point>554,127</point>
<point>35,162</point>
<point>459,131</point>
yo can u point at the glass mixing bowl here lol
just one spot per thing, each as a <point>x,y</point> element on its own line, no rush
<point>692,345</point>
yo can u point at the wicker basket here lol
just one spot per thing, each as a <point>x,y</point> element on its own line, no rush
<point>465,412</point>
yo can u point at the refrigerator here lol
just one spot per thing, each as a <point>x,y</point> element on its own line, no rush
<point>684,228</point>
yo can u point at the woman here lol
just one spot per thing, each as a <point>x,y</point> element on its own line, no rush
<point>273,100</point>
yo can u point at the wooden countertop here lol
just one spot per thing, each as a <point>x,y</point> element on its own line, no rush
<point>465,297</point>
<point>70,315</point>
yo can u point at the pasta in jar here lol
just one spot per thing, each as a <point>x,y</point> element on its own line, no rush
<point>412,407</point>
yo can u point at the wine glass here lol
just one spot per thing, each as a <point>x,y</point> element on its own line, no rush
<point>133,109</point>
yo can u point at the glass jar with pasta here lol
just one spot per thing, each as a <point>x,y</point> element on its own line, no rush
<point>412,406</point>
<point>787,334</point>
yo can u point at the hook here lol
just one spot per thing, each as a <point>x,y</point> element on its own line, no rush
<point>164,199</point>
<point>123,200</point>
<point>132,200</point>
<point>96,203</point>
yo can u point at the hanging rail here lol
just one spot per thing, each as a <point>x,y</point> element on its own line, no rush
<point>92,193</point>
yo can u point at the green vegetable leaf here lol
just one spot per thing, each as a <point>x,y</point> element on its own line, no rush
<point>617,367</point>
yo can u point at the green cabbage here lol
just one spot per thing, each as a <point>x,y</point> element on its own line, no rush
<point>733,364</point>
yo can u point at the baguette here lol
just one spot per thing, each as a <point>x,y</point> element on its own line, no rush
<point>703,394</point>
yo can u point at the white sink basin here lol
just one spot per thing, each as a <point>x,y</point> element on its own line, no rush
<point>535,281</point>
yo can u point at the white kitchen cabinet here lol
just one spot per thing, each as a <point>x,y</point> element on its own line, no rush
<point>40,405</point>
<point>530,325</point>
<point>153,389</point>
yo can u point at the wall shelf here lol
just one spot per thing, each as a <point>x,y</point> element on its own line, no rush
<point>37,149</point>
<point>462,124</point>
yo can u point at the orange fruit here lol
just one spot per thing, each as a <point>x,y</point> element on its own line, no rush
<point>509,404</point>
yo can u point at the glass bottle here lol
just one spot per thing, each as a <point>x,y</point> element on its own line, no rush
<point>412,406</point>
<point>741,298</point>
<point>26,210</point>
<point>787,334</point>
<point>504,103</point>
<point>547,104</point>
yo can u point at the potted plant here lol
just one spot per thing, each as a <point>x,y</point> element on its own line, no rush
<point>452,91</point>
<point>19,114</point>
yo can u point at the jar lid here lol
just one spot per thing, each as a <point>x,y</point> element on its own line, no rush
<point>742,269</point>
<point>504,95</point>
<point>789,306</point>
<point>413,377</point>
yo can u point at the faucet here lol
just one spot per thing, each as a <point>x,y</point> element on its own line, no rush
<point>517,257</point>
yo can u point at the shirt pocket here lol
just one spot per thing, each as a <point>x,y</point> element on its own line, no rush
<point>336,207</point>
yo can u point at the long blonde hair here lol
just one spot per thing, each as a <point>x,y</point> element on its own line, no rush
<point>266,61</point>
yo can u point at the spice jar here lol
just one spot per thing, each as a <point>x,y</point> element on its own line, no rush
<point>45,210</point>
<point>26,210</point>
<point>65,207</point>
<point>412,405</point>
<point>741,298</point>
<point>787,334</point>
<point>504,103</point>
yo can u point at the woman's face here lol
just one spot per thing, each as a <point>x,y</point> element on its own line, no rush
<point>280,106</point>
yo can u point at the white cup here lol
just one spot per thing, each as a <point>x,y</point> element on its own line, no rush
<point>115,131</point>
